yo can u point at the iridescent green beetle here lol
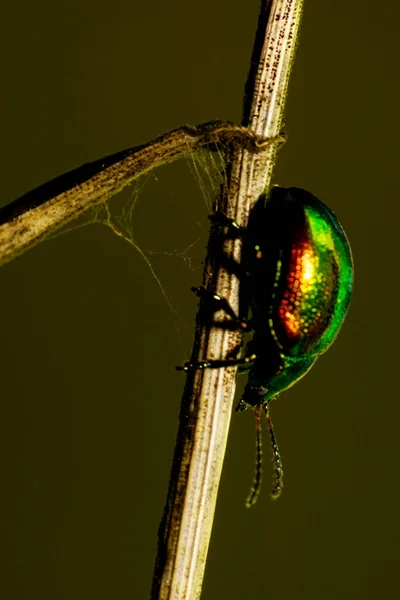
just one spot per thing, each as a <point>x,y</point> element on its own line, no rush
<point>300,277</point>
<point>298,284</point>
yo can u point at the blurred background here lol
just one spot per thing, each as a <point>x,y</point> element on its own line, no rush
<point>89,393</point>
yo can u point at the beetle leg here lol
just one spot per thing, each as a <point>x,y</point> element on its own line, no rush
<point>222,304</point>
<point>217,364</point>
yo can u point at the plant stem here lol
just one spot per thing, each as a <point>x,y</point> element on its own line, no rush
<point>32,217</point>
<point>208,395</point>
<point>185,529</point>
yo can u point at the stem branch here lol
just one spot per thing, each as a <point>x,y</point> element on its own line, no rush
<point>32,217</point>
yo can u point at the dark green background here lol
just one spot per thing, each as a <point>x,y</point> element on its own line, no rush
<point>89,394</point>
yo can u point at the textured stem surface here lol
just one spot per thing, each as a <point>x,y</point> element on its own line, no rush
<point>185,530</point>
<point>32,217</point>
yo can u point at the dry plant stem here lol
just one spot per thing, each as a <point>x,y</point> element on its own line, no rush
<point>35,215</point>
<point>207,402</point>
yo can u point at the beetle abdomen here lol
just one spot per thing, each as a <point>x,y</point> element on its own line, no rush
<point>313,272</point>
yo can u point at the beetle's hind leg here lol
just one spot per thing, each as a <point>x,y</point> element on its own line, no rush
<point>245,363</point>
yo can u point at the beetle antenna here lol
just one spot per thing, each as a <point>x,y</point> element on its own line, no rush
<point>276,457</point>
<point>256,486</point>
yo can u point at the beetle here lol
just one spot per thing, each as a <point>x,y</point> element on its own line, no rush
<point>298,279</point>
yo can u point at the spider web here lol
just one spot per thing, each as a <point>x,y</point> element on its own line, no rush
<point>119,214</point>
